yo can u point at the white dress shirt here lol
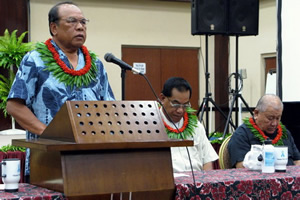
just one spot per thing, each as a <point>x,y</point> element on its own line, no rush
<point>202,152</point>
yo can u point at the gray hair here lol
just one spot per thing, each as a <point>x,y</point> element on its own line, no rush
<point>269,100</point>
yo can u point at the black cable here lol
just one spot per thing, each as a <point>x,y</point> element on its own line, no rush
<point>279,49</point>
<point>239,87</point>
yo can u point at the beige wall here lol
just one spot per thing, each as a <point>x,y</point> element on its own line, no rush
<point>114,23</point>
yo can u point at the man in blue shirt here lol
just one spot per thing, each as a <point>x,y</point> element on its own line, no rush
<point>59,70</point>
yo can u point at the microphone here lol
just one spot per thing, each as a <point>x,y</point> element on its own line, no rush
<point>109,57</point>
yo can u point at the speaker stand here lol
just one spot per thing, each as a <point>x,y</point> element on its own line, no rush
<point>204,105</point>
<point>236,95</point>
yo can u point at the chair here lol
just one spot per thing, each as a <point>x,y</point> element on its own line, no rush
<point>224,158</point>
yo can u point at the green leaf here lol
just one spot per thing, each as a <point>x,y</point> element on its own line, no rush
<point>20,39</point>
<point>9,147</point>
<point>12,50</point>
<point>216,137</point>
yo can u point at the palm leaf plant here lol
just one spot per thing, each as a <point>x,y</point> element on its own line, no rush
<point>12,50</point>
<point>5,85</point>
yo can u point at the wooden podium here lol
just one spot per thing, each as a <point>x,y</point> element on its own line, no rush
<point>93,148</point>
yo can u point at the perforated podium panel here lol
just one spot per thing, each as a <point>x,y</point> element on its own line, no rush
<point>94,148</point>
<point>107,121</point>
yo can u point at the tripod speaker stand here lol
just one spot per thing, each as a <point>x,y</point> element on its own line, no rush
<point>236,95</point>
<point>204,105</point>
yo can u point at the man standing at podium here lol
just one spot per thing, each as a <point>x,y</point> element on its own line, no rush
<point>59,70</point>
<point>175,98</point>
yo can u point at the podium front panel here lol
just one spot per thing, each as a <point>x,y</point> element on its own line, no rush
<point>107,121</point>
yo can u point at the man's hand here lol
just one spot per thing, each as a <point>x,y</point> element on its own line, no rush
<point>239,165</point>
<point>297,162</point>
<point>208,166</point>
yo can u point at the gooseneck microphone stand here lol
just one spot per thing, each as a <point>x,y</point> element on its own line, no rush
<point>123,77</point>
<point>204,105</point>
<point>236,94</point>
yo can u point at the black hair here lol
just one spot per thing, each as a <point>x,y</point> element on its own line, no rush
<point>179,83</point>
<point>53,13</point>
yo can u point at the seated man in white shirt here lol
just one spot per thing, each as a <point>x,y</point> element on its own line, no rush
<point>175,98</point>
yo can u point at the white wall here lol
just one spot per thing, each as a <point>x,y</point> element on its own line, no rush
<point>290,52</point>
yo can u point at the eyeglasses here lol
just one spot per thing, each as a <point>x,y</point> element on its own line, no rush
<point>74,21</point>
<point>177,105</point>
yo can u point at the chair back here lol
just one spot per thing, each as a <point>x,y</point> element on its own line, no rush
<point>224,157</point>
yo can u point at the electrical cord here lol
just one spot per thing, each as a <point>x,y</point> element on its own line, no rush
<point>240,86</point>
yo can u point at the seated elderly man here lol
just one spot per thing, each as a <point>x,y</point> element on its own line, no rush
<point>264,124</point>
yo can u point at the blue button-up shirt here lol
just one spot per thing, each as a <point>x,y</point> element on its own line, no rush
<point>44,94</point>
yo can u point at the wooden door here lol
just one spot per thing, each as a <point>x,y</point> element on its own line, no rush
<point>270,65</point>
<point>161,64</point>
<point>13,16</point>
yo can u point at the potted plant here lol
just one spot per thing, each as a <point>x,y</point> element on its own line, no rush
<point>9,147</point>
<point>12,50</point>
<point>217,137</point>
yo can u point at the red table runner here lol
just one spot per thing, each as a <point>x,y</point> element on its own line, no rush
<point>30,192</point>
<point>239,184</point>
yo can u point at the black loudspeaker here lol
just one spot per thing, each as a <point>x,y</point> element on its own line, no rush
<point>243,17</point>
<point>227,17</point>
<point>209,17</point>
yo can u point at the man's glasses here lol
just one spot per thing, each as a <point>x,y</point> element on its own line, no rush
<point>178,105</point>
<point>74,21</point>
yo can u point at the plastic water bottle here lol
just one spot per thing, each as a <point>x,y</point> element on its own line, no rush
<point>268,157</point>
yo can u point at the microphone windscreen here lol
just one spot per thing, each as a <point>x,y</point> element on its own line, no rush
<point>108,57</point>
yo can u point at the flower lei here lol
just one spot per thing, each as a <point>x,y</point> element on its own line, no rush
<point>63,73</point>
<point>189,123</point>
<point>258,133</point>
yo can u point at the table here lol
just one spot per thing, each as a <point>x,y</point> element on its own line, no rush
<point>214,184</point>
<point>31,192</point>
<point>239,184</point>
